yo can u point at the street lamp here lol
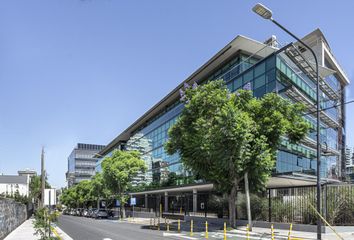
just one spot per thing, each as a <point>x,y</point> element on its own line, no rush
<point>266,13</point>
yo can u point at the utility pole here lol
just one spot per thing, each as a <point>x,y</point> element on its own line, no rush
<point>42,178</point>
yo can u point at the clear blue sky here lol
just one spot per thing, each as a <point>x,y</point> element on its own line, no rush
<point>82,71</point>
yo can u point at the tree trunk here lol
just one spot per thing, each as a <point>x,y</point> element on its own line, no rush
<point>122,207</point>
<point>248,202</point>
<point>232,206</point>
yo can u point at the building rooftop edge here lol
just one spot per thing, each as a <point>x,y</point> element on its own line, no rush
<point>173,95</point>
<point>238,43</point>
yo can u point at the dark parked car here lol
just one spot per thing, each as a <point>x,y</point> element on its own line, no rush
<point>100,213</point>
<point>91,212</point>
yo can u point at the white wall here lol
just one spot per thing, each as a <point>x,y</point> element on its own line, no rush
<point>22,188</point>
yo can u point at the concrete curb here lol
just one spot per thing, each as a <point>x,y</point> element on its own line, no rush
<point>61,234</point>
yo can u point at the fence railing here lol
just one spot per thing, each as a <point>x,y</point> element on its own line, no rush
<point>287,205</point>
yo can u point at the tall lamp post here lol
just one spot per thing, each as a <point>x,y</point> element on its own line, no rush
<point>266,13</point>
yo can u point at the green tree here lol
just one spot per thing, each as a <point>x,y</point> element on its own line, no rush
<point>220,136</point>
<point>99,188</point>
<point>70,197</point>
<point>35,189</point>
<point>118,172</point>
<point>83,191</point>
<point>42,223</point>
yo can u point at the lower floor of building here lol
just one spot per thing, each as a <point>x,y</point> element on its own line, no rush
<point>290,199</point>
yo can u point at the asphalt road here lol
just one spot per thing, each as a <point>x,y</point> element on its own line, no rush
<point>80,228</point>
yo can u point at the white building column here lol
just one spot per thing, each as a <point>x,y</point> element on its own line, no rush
<point>166,202</point>
<point>195,200</point>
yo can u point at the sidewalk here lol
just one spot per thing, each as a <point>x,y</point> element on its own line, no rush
<point>283,234</point>
<point>23,232</point>
<point>26,232</point>
<point>347,233</point>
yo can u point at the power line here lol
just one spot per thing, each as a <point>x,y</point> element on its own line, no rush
<point>334,106</point>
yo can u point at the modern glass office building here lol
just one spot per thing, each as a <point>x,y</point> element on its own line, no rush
<point>82,163</point>
<point>261,67</point>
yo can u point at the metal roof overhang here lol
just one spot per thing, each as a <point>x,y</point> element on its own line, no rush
<point>240,43</point>
<point>279,181</point>
<point>317,34</point>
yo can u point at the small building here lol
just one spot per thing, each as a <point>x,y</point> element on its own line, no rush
<point>27,172</point>
<point>10,184</point>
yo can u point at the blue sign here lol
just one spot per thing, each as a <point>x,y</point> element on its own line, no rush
<point>132,201</point>
<point>117,203</point>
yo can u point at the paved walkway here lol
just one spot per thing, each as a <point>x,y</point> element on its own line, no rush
<point>24,232</point>
<point>283,234</point>
<point>347,233</point>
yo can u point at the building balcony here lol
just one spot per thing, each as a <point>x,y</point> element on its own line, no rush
<point>326,151</point>
<point>298,96</point>
<point>295,55</point>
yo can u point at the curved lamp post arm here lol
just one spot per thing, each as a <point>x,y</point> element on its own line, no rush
<point>318,138</point>
<point>266,13</point>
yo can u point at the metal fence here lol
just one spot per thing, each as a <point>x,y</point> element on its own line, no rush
<point>297,204</point>
<point>286,205</point>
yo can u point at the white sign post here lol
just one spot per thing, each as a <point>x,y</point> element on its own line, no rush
<point>133,203</point>
<point>50,197</point>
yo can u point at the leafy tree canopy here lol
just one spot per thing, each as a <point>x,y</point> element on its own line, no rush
<point>120,169</point>
<point>35,188</point>
<point>221,135</point>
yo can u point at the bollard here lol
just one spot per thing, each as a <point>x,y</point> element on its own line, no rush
<point>179,226</point>
<point>206,230</point>
<point>191,228</point>
<point>150,223</point>
<point>225,231</point>
<point>291,228</point>
<point>154,222</point>
<point>272,231</point>
<point>168,226</point>
<point>247,232</point>
<point>158,224</point>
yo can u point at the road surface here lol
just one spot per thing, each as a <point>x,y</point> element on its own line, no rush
<point>80,228</point>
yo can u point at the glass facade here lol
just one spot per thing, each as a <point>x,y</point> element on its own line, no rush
<point>81,163</point>
<point>275,73</point>
<point>150,141</point>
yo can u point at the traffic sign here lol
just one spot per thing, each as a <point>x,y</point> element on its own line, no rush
<point>132,201</point>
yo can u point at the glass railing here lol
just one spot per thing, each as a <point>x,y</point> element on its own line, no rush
<point>332,82</point>
<point>331,111</point>
<point>295,78</point>
<point>245,64</point>
<point>297,148</point>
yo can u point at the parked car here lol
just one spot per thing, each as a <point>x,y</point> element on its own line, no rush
<point>66,212</point>
<point>91,212</point>
<point>111,213</point>
<point>100,213</point>
<point>85,212</point>
<point>80,211</point>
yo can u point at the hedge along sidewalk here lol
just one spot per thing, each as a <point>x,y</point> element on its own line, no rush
<point>23,232</point>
